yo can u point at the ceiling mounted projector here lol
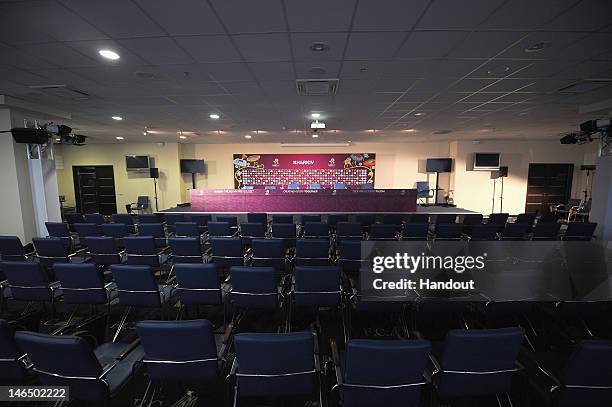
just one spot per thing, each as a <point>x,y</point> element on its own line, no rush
<point>317,125</point>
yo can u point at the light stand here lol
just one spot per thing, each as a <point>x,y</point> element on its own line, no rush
<point>154,173</point>
<point>588,169</point>
<point>493,198</point>
<point>437,189</point>
<point>503,173</point>
<point>155,186</point>
<point>193,180</point>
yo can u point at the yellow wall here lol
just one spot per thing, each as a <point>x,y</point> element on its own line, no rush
<point>398,165</point>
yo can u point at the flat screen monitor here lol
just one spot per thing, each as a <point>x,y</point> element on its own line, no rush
<point>137,162</point>
<point>192,166</point>
<point>439,165</point>
<point>486,161</point>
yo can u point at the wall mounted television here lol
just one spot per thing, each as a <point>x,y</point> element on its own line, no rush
<point>137,162</point>
<point>439,165</point>
<point>192,166</point>
<point>486,161</point>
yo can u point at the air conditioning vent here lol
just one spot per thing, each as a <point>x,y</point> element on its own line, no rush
<point>316,87</point>
<point>584,86</point>
<point>61,91</point>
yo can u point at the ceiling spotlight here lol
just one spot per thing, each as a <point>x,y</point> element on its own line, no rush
<point>118,118</point>
<point>248,136</point>
<point>315,115</point>
<point>419,114</point>
<point>319,47</point>
<point>523,113</point>
<point>109,54</point>
<point>538,46</point>
<point>119,138</point>
<point>409,130</point>
<point>144,133</point>
<point>213,116</point>
<point>315,135</point>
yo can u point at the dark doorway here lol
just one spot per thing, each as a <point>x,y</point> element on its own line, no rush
<point>548,184</point>
<point>94,189</point>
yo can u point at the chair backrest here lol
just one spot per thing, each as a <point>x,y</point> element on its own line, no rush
<point>366,219</point>
<point>64,360</point>
<point>219,229</point>
<point>377,369</point>
<point>87,230</point>
<point>186,249</point>
<point>12,369</point>
<point>587,375</point>
<point>227,251</point>
<point>472,219</point>
<point>415,231</point>
<point>201,219</point>
<point>96,218</point>
<point>314,186</point>
<point>103,250</point>
<point>282,218</point>
<point>498,218</point>
<point>232,220</point>
<point>484,231</point>
<point>317,286</point>
<point>275,364</point>
<point>28,281</point>
<point>478,361</point>
<point>143,202</point>
<point>254,287</point>
<point>124,218</point>
<point>51,250</point>
<point>333,219</point>
<point>312,252</point>
<point>380,231</point>
<point>255,217</point>
<point>81,283</point>
<point>151,229</point>
<point>141,250</point>
<point>149,218</point>
<point>136,286</point>
<point>189,229</point>
<point>284,231</point>
<point>449,231</point>
<point>393,219</point>
<point>445,218</point>
<point>193,356</point>
<point>339,185</point>
<point>527,218</point>
<point>349,230</point>
<point>304,219</point>
<point>252,229</point>
<point>72,218</point>
<point>173,218</point>
<point>514,231</point>
<point>116,230</point>
<point>316,229</point>
<point>350,255</point>
<point>580,231</point>
<point>546,231</point>
<point>293,186</point>
<point>269,253</point>
<point>58,229</point>
<point>198,284</point>
<point>418,218</point>
<point>11,248</point>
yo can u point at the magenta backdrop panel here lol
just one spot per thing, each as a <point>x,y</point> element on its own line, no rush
<point>280,170</point>
<point>303,200</point>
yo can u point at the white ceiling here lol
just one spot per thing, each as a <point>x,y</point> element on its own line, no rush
<point>461,63</point>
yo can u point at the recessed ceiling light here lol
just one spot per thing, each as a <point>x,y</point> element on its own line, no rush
<point>315,135</point>
<point>409,130</point>
<point>119,118</point>
<point>315,115</point>
<point>109,54</point>
<point>119,138</point>
<point>319,47</point>
<point>523,113</point>
<point>182,137</point>
<point>213,116</point>
<point>144,133</point>
<point>538,46</point>
<point>248,136</point>
<point>419,114</point>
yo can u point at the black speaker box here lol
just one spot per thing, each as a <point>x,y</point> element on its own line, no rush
<point>503,171</point>
<point>153,172</point>
<point>30,136</point>
<point>588,167</point>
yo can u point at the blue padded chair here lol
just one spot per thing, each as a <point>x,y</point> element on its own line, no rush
<point>232,220</point>
<point>415,231</point>
<point>141,205</point>
<point>254,287</point>
<point>340,185</point>
<point>469,220</point>
<point>195,359</point>
<point>82,283</point>
<point>220,229</point>
<point>368,185</point>
<point>186,250</point>
<point>96,218</point>
<point>476,362</point>
<point>514,231</point>
<point>314,186</point>
<point>396,219</point>
<point>304,219</point>
<point>59,230</point>
<point>126,219</point>
<point>155,230</point>
<point>95,375</point>
<point>198,284</point>
<point>72,218</point>
<point>142,250</point>
<point>28,281</point>
<point>149,218</point>
<point>51,250</point>
<point>87,230</point>
<point>316,286</point>
<point>527,218</point>
<point>250,231</point>
<point>187,229</point>
<point>312,252</point>
<point>12,359</point>
<point>201,219</point>
<point>349,231</point>
<point>11,249</point>
<point>366,220</point>
<point>449,231</point>
<point>270,187</point>
<point>375,372</point>
<point>282,219</point>
<point>499,219</point>
<point>316,230</point>
<point>349,259</point>
<point>286,232</point>
<point>293,186</point>
<point>484,231</point>
<point>104,250</point>
<point>445,218</point>
<point>379,231</point>
<point>418,218</point>
<point>172,219</point>
<point>333,219</point>
<point>546,231</point>
<point>580,231</point>
<point>227,251</point>
<point>257,217</point>
<point>275,365</point>
<point>269,253</point>
<point>117,231</point>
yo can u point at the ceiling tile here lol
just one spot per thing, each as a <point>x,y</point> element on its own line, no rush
<point>584,16</point>
<point>216,48</point>
<point>303,16</point>
<point>452,14</point>
<point>431,44</point>
<point>235,71</point>
<point>324,69</point>
<point>266,71</point>
<point>190,17</point>
<point>396,15</point>
<point>482,44</point>
<point>301,46</point>
<point>373,45</point>
<point>157,51</point>
<point>259,16</point>
<point>91,48</point>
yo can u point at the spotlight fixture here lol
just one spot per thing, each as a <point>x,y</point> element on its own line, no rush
<point>109,54</point>
<point>319,47</point>
<point>408,130</point>
<point>119,138</point>
<point>419,114</point>
<point>248,136</point>
<point>315,135</point>
<point>118,118</point>
<point>214,116</point>
<point>538,46</point>
<point>315,115</point>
